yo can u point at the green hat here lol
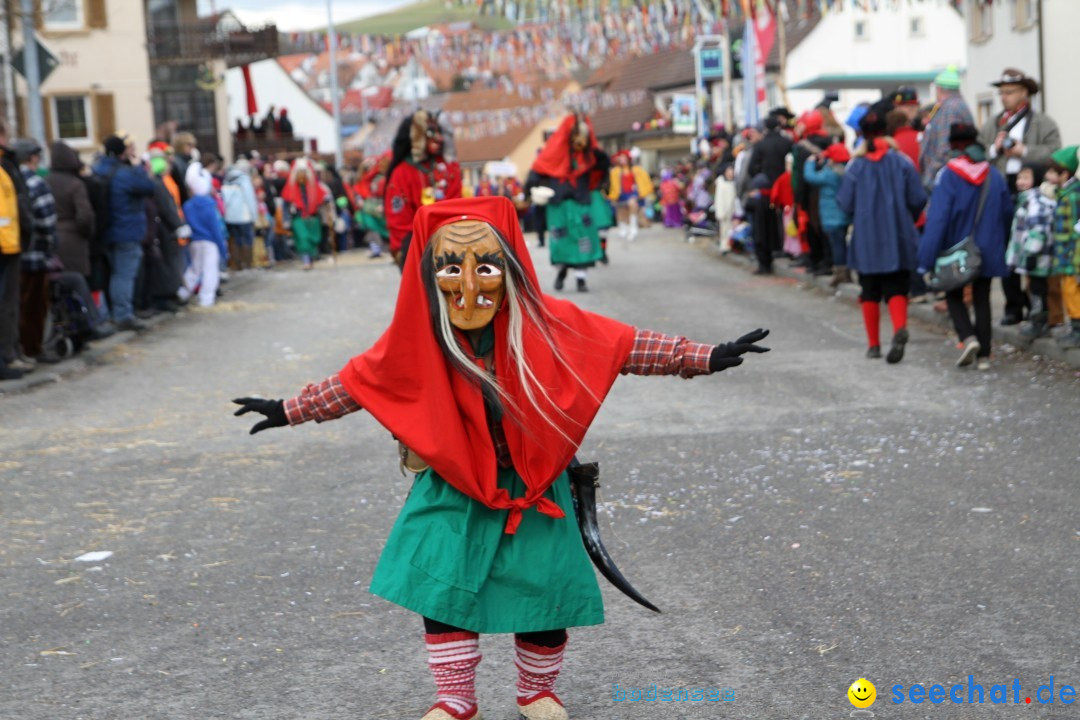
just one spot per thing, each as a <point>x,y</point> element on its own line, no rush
<point>1067,158</point>
<point>949,78</point>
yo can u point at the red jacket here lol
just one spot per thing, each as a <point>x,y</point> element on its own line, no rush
<point>907,140</point>
<point>781,194</point>
<point>405,195</point>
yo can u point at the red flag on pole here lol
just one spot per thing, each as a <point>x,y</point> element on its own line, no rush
<point>252,106</point>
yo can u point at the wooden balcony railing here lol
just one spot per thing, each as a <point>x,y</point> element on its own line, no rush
<point>181,43</point>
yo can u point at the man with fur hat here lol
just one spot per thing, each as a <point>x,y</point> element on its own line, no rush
<point>1016,135</point>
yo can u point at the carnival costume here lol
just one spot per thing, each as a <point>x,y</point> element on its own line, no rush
<point>629,186</point>
<point>422,171</point>
<point>490,386</point>
<point>304,195</point>
<point>575,170</point>
<point>369,191</point>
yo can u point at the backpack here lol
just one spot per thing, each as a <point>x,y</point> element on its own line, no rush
<point>98,188</point>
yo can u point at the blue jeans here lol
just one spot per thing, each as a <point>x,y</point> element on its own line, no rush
<point>243,234</point>
<point>838,243</point>
<point>124,261</point>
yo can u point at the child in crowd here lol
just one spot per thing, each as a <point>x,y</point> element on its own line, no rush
<point>725,203</point>
<point>1031,247</point>
<point>1066,263</point>
<point>671,199</point>
<point>826,172</point>
<point>207,245</point>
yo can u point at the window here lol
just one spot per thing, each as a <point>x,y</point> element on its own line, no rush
<point>63,15</point>
<point>1025,14</point>
<point>917,27</point>
<point>862,30</point>
<point>985,107</point>
<point>71,118</point>
<point>982,20</point>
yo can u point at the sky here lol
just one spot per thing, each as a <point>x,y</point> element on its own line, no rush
<point>298,14</point>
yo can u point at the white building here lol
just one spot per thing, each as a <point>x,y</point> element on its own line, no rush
<point>861,54</point>
<point>274,86</point>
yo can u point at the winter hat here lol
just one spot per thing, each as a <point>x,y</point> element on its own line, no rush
<point>198,179</point>
<point>837,152</point>
<point>873,123</point>
<point>813,123</point>
<point>760,182</point>
<point>1066,158</point>
<point>25,148</point>
<point>115,145</point>
<point>159,149</point>
<point>857,114</point>
<point>1012,76</point>
<point>949,78</point>
<point>281,167</point>
<point>961,135</point>
<point>905,95</point>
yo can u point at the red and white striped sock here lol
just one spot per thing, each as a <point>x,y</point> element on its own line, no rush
<point>538,669</point>
<point>453,658</point>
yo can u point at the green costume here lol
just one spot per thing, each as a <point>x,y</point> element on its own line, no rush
<point>449,559</point>
<point>307,234</point>
<point>574,230</point>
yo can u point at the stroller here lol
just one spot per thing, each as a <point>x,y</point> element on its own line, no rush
<point>700,223</point>
<point>67,326</point>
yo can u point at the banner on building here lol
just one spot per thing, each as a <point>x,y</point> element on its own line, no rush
<point>684,114</point>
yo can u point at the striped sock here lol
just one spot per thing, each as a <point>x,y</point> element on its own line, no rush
<point>538,669</point>
<point>453,658</point>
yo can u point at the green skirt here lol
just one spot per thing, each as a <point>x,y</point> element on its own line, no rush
<point>367,221</point>
<point>307,234</point>
<point>449,559</point>
<point>574,230</point>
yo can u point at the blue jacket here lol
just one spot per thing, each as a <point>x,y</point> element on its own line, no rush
<point>952,215</point>
<point>828,180</point>
<point>204,219</point>
<point>127,212</point>
<point>884,195</point>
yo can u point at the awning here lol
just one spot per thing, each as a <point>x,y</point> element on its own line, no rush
<point>869,81</point>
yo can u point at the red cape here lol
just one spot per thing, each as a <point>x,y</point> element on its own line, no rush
<point>554,159</point>
<point>406,383</point>
<point>307,198</point>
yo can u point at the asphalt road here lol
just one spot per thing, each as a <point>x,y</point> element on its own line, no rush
<point>804,520</point>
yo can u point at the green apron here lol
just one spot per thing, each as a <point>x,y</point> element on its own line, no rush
<point>574,230</point>
<point>307,234</point>
<point>449,559</point>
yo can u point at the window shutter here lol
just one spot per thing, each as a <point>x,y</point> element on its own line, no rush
<point>20,118</point>
<point>46,113</point>
<point>104,116</point>
<point>96,16</point>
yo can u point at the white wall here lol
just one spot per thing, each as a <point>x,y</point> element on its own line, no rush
<point>1062,18</point>
<point>1007,46</point>
<point>888,46</point>
<point>273,86</point>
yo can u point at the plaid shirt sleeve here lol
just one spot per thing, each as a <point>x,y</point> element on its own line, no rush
<point>654,353</point>
<point>43,206</point>
<point>320,402</point>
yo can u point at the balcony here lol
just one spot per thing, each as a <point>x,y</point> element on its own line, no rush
<point>210,39</point>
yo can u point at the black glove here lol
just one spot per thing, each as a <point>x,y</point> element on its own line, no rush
<point>274,410</point>
<point>727,355</point>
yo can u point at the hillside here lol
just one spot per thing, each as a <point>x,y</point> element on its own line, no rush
<point>419,14</point>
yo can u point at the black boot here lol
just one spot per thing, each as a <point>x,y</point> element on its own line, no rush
<point>1037,327</point>
<point>581,285</point>
<point>560,279</point>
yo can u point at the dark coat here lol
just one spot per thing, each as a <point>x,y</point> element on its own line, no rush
<point>770,155</point>
<point>74,213</point>
<point>883,194</point>
<point>951,218</point>
<point>128,190</point>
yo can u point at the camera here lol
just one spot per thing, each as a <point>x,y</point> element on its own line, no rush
<point>1008,144</point>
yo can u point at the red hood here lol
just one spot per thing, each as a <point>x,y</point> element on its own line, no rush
<point>974,172</point>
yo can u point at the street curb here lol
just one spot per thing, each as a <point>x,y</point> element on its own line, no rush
<point>97,352</point>
<point>1009,335</point>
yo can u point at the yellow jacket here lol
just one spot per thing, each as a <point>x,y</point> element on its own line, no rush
<point>10,241</point>
<point>641,179</point>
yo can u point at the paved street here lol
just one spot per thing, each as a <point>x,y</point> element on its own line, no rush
<point>804,520</point>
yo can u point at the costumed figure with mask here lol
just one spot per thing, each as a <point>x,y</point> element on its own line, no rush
<point>490,387</point>
<point>369,191</point>
<point>422,171</point>
<point>630,186</point>
<point>569,175</point>
<point>207,245</point>
<point>304,197</point>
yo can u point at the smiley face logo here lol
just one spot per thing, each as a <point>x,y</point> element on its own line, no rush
<point>862,693</point>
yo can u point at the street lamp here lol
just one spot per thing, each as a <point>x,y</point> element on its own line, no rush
<point>335,101</point>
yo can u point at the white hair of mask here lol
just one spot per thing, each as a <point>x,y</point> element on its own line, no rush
<point>198,179</point>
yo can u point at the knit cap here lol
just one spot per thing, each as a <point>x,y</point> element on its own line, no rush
<point>949,78</point>
<point>1067,158</point>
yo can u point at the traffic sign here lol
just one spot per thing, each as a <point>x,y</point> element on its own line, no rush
<point>47,62</point>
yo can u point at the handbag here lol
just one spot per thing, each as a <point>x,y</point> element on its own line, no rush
<point>958,265</point>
